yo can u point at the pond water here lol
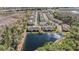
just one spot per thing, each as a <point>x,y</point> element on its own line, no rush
<point>33,41</point>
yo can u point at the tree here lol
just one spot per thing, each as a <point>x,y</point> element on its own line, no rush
<point>66,45</point>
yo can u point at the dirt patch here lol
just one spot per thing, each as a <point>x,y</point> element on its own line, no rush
<point>21,43</point>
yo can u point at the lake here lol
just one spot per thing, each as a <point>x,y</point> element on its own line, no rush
<point>33,41</point>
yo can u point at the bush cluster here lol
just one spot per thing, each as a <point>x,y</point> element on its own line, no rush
<point>10,36</point>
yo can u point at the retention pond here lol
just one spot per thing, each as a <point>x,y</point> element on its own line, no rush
<point>33,41</point>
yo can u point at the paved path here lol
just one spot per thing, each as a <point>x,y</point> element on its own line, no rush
<point>36,16</point>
